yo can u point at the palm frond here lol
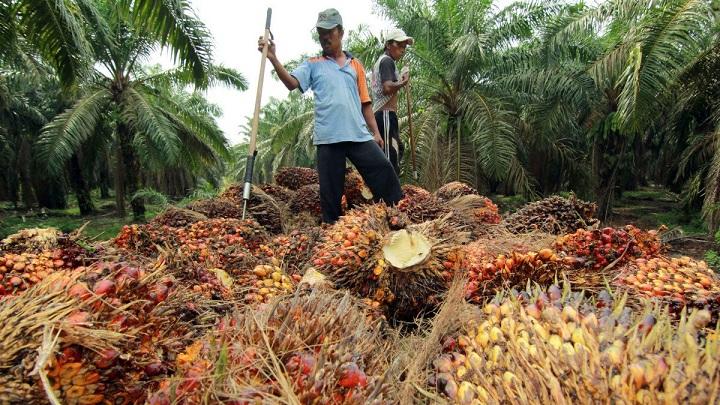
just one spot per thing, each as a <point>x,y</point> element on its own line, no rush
<point>176,26</point>
<point>55,28</point>
<point>150,124</point>
<point>493,133</point>
<point>64,135</point>
<point>669,37</point>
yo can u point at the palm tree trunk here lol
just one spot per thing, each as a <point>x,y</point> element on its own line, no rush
<point>605,175</point>
<point>132,171</point>
<point>120,183</point>
<point>23,163</point>
<point>459,122</point>
<point>80,187</point>
<point>104,177</point>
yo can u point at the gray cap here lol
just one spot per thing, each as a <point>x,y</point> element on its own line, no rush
<point>328,19</point>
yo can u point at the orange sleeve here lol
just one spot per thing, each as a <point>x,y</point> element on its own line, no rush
<point>361,82</point>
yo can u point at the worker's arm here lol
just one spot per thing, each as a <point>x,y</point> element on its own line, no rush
<point>390,87</point>
<point>288,80</point>
<point>371,124</point>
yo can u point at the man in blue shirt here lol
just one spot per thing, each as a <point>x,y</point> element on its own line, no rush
<point>345,126</point>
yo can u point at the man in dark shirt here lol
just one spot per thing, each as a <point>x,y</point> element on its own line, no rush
<point>386,82</point>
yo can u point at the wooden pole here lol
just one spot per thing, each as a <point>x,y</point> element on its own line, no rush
<point>410,128</point>
<point>252,151</point>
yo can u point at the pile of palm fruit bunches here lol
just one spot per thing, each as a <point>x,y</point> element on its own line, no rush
<point>437,299</point>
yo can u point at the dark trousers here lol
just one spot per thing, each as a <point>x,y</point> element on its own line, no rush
<point>387,122</point>
<point>373,166</point>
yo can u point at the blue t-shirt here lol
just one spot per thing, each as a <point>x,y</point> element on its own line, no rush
<point>339,95</point>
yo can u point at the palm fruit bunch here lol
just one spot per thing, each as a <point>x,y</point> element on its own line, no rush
<point>33,240</point>
<point>264,282</point>
<point>20,271</point>
<point>214,234</point>
<point>419,205</point>
<point>260,206</point>
<point>145,239</point>
<point>230,244</point>
<point>27,319</point>
<point>294,178</point>
<point>294,250</point>
<point>281,194</point>
<point>561,346</point>
<point>356,192</point>
<point>178,217</point>
<point>679,279</point>
<point>317,347</point>
<point>411,190</point>
<point>158,311</point>
<point>555,214</point>
<point>406,269</point>
<point>597,248</point>
<point>73,380</point>
<point>454,189</point>
<point>488,273</point>
<point>307,201</point>
<point>217,208</point>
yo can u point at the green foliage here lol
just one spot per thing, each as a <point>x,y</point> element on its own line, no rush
<point>150,195</point>
<point>712,257</point>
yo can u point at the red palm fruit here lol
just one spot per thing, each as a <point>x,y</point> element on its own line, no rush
<point>351,376</point>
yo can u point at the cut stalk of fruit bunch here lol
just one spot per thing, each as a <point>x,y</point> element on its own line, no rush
<point>453,190</point>
<point>407,269</point>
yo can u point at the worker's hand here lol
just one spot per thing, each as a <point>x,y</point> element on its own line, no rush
<point>378,139</point>
<point>405,75</point>
<point>271,47</point>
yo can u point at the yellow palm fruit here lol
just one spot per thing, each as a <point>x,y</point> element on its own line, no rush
<point>466,393</point>
<point>508,326</point>
<point>482,339</point>
<point>461,372</point>
<point>533,351</point>
<point>578,337</point>
<point>475,361</point>
<point>495,353</point>
<point>506,308</point>
<point>569,314</point>
<point>508,377</point>
<point>555,341</point>
<point>541,331</point>
<point>496,334</point>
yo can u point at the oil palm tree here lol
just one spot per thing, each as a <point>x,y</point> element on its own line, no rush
<point>150,125</point>
<point>645,47</point>
<point>466,123</point>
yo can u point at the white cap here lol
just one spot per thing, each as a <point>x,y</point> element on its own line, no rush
<point>398,35</point>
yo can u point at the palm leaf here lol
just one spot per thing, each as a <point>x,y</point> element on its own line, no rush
<point>151,125</point>
<point>67,132</point>
<point>175,25</point>
<point>55,28</point>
